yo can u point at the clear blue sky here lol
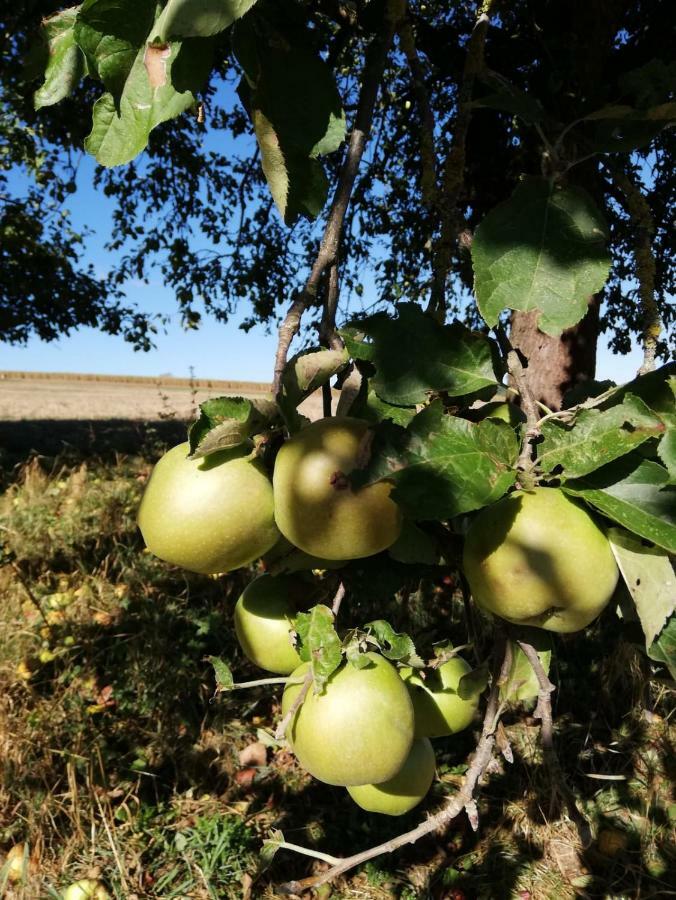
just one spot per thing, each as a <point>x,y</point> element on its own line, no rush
<point>216,350</point>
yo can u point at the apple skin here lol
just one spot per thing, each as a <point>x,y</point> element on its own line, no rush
<point>263,622</point>
<point>537,558</point>
<point>86,889</point>
<point>409,786</point>
<point>316,508</point>
<point>359,730</point>
<point>439,709</point>
<point>208,515</point>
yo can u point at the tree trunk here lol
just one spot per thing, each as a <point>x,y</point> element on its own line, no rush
<point>556,364</point>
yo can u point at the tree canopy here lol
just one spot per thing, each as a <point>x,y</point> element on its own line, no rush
<point>580,93</point>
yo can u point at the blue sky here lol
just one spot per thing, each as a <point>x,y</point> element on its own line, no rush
<point>216,350</point>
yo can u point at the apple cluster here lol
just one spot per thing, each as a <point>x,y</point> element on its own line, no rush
<point>533,558</point>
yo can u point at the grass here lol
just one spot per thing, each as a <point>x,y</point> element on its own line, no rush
<point>115,762</point>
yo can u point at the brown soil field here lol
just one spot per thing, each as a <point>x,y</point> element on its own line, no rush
<point>26,396</point>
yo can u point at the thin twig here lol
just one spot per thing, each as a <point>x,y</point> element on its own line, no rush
<point>428,155</point>
<point>327,329</point>
<point>31,596</point>
<point>528,402</point>
<point>280,731</point>
<point>455,804</point>
<point>642,218</point>
<point>374,66</point>
<point>259,682</point>
<point>454,167</point>
<point>337,600</point>
<point>543,711</point>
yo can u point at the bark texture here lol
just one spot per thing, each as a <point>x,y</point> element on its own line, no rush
<point>556,364</point>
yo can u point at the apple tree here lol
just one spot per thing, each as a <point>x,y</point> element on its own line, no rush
<point>476,449</point>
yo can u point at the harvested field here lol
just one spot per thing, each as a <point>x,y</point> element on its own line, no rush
<point>44,396</point>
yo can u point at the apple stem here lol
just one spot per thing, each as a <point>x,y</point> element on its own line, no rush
<point>461,800</point>
<point>259,682</point>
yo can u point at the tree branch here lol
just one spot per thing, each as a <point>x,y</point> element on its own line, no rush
<point>454,167</point>
<point>642,218</point>
<point>428,156</point>
<point>464,798</point>
<point>543,711</point>
<point>376,57</point>
<point>528,402</point>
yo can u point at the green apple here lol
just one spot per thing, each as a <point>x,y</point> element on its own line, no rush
<point>358,730</point>
<point>408,787</point>
<point>264,622</point>
<point>208,515</point>
<point>538,558</point>
<point>439,709</point>
<point>86,889</point>
<point>315,506</point>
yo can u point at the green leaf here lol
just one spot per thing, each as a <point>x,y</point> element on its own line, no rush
<point>596,437</point>
<point>292,99</point>
<point>442,466</point>
<point>635,493</point>
<point>369,407</point>
<point>415,546</point>
<point>226,422</point>
<point>649,576</point>
<point>319,643</point>
<point>65,63</point>
<point>663,648</point>
<point>522,685</point>
<point>413,355</point>
<point>544,249</point>
<point>397,647</point>
<point>473,683</point>
<point>111,33</point>
<point>224,679</point>
<point>355,647</point>
<point>303,375</point>
<point>121,127</point>
<point>198,18</point>
<point>269,850</point>
<point>507,97</point>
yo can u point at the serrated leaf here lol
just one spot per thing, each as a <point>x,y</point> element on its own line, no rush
<point>224,679</point>
<point>663,648</point>
<point>544,249</point>
<point>394,646</point>
<point>649,576</point>
<point>303,375</point>
<point>414,355</point>
<point>415,546</point>
<point>269,849</point>
<point>120,131</point>
<point>226,422</point>
<point>369,407</point>
<point>319,643</point>
<point>442,466</point>
<point>635,493</point>
<point>65,63</point>
<point>198,18</point>
<point>473,683</point>
<point>596,437</point>
<point>111,34</point>
<point>355,647</point>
